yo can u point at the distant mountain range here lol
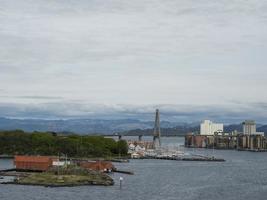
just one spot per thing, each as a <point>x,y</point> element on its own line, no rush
<point>100,126</point>
<point>82,126</point>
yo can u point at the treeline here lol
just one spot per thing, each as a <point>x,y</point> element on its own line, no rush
<point>38,143</point>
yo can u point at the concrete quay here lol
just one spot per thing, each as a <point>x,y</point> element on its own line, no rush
<point>210,159</point>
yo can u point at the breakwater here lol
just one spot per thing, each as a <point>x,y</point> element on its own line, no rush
<point>181,158</point>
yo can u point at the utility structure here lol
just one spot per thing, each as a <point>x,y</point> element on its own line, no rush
<point>156,134</point>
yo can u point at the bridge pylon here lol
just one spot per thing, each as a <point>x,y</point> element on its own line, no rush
<point>156,134</point>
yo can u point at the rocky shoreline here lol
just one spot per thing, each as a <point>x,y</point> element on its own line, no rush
<point>59,178</point>
<point>63,185</point>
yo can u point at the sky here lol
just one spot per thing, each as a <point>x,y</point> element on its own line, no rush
<point>105,58</point>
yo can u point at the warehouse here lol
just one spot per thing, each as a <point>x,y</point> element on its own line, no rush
<point>34,163</point>
<point>103,166</point>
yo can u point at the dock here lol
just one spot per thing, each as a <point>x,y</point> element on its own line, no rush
<point>124,172</point>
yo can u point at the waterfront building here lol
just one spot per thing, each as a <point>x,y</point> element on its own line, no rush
<point>103,166</point>
<point>207,127</point>
<point>249,128</point>
<point>239,142</point>
<point>34,163</point>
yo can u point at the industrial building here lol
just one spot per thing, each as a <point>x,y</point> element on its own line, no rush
<point>249,139</point>
<point>44,163</point>
<point>34,163</point>
<point>238,142</point>
<point>103,166</point>
<point>207,127</point>
<point>249,128</point>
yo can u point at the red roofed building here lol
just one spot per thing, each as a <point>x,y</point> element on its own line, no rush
<point>103,166</point>
<point>35,163</point>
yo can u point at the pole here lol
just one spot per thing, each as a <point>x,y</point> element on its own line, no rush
<point>213,145</point>
<point>121,179</point>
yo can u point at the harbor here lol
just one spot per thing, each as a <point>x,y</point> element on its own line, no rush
<point>169,153</point>
<point>180,178</point>
<point>153,149</point>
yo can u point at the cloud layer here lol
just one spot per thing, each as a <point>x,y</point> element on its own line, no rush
<point>234,113</point>
<point>62,57</point>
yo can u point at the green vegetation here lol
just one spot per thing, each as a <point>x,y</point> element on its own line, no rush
<point>37,143</point>
<point>70,176</point>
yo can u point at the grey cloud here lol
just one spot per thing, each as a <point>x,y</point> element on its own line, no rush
<point>39,97</point>
<point>128,53</point>
<point>173,113</point>
<point>32,97</point>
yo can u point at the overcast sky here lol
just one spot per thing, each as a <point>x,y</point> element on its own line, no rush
<point>77,58</point>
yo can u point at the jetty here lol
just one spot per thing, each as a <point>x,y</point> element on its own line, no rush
<point>209,159</point>
<point>124,172</point>
<point>168,154</point>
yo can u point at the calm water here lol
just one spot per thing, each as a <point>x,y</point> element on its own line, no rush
<point>243,175</point>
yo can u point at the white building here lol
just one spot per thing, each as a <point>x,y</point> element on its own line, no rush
<point>249,128</point>
<point>60,163</point>
<point>209,128</point>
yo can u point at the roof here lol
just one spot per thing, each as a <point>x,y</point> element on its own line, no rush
<point>38,159</point>
<point>97,165</point>
<point>249,122</point>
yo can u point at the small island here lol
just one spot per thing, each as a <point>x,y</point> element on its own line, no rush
<point>54,160</point>
<point>63,176</point>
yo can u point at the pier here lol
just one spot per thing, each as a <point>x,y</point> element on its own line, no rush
<point>200,158</point>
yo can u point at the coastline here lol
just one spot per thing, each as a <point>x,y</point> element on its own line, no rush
<point>58,177</point>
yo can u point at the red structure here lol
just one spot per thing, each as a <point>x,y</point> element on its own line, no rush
<point>103,166</point>
<point>35,163</point>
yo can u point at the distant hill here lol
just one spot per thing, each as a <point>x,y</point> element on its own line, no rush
<point>233,127</point>
<point>175,131</point>
<point>182,130</point>
<point>101,126</point>
<point>263,129</point>
<point>83,126</point>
